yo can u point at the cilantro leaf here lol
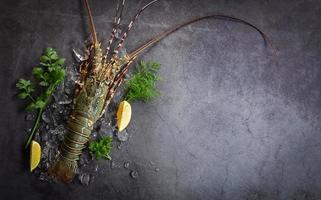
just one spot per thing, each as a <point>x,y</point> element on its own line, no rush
<point>22,83</point>
<point>22,95</point>
<point>38,72</point>
<point>25,88</point>
<point>48,75</point>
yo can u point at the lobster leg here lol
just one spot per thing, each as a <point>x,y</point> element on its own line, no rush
<point>115,84</point>
<point>83,71</point>
<point>125,34</point>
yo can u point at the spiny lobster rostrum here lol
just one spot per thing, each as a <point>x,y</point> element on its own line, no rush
<point>100,76</point>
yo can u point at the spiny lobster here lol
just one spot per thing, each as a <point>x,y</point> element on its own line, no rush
<point>100,75</point>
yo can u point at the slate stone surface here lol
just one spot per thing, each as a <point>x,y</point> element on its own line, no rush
<point>235,120</point>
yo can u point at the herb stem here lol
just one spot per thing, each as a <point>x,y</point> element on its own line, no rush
<point>32,99</point>
<point>36,124</point>
<point>107,157</point>
<point>34,128</point>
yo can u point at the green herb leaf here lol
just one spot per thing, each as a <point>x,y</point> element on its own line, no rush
<point>48,75</point>
<point>31,107</point>
<point>142,86</point>
<point>40,104</point>
<point>44,59</point>
<point>25,87</point>
<point>38,72</point>
<point>102,147</point>
<point>22,95</point>
<point>60,61</point>
<point>23,84</point>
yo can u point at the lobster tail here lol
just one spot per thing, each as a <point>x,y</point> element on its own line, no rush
<point>63,170</point>
<point>79,127</point>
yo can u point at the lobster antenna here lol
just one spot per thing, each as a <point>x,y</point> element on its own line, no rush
<point>125,34</point>
<point>92,25</point>
<point>162,35</point>
<point>116,25</point>
<point>133,55</point>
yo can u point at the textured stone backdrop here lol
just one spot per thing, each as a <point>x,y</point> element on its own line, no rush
<point>234,121</point>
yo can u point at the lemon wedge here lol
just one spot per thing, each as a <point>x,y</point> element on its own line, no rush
<point>35,154</point>
<point>124,114</point>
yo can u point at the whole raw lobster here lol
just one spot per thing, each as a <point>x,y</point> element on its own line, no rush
<point>100,76</point>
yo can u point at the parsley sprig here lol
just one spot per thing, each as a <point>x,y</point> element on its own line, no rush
<point>101,147</point>
<point>142,85</point>
<point>49,74</point>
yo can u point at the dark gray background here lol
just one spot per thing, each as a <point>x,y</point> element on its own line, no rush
<point>233,121</point>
